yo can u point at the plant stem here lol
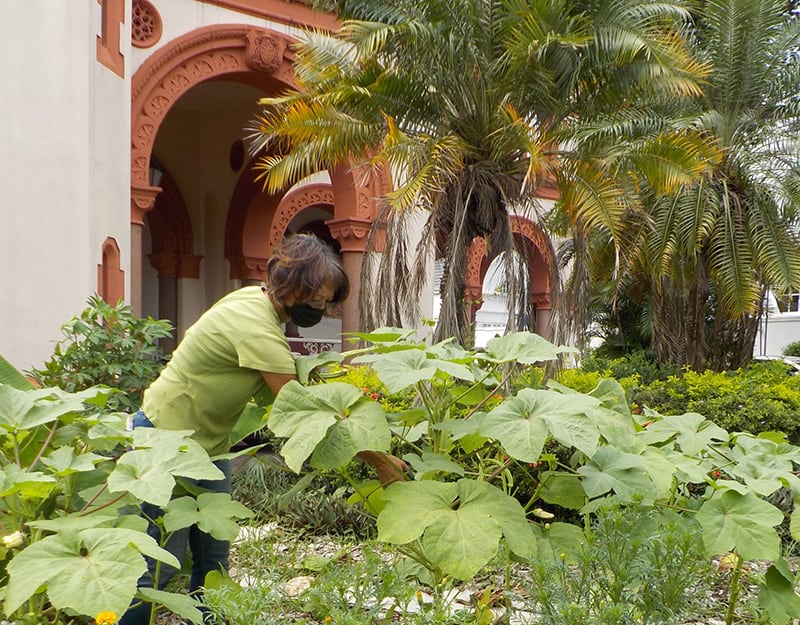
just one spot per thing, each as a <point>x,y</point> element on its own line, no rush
<point>733,593</point>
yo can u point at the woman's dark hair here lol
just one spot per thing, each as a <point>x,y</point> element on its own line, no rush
<point>301,265</point>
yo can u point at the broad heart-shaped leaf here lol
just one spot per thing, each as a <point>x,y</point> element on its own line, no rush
<point>521,423</point>
<point>306,364</point>
<point>23,410</point>
<point>764,465</point>
<point>363,428</point>
<point>148,473</point>
<point>63,461</point>
<point>430,462</point>
<point>213,513</point>
<point>776,593</point>
<point>563,489</point>
<point>556,539</point>
<point>183,605</point>
<point>744,523</point>
<point>460,523</point>
<point>611,469</point>
<point>524,347</point>
<point>140,473</point>
<point>398,370</point>
<point>29,484</point>
<point>333,421</point>
<point>692,431</point>
<point>90,571</point>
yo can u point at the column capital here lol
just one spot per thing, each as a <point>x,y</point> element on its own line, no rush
<point>351,233</point>
<point>143,199</point>
<point>174,265</point>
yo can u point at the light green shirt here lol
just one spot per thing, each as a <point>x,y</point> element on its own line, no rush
<point>216,368</point>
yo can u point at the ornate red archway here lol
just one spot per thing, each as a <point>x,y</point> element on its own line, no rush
<point>541,263</point>
<point>260,57</point>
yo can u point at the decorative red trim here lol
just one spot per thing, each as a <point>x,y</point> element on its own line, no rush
<point>538,252</point>
<point>293,12</point>
<point>193,58</point>
<point>146,25</point>
<point>112,14</point>
<point>110,278</point>
<point>292,204</point>
<point>171,234</point>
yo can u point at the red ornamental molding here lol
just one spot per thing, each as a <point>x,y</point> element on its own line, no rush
<point>196,57</point>
<point>264,52</point>
<point>350,233</point>
<point>142,200</point>
<point>292,204</point>
<point>294,12</point>
<point>477,260</point>
<point>146,25</point>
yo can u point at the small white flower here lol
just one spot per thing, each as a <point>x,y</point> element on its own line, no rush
<point>13,540</point>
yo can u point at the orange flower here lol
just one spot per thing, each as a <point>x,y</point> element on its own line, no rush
<point>105,618</point>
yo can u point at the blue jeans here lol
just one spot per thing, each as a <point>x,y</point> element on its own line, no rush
<point>208,553</point>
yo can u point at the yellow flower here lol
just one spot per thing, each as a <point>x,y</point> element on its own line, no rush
<point>328,619</point>
<point>105,618</point>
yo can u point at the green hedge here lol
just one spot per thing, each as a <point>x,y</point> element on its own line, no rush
<point>760,398</point>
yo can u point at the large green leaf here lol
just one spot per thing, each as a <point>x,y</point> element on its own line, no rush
<point>743,523</point>
<point>460,524</point>
<point>523,347</point>
<point>777,593</point>
<point>562,489</point>
<point>23,410</point>
<point>64,461</point>
<point>148,471</point>
<point>185,606</point>
<point>555,540</point>
<point>763,464</point>
<point>29,484</point>
<point>521,423</point>
<point>398,370</point>
<point>613,470</point>
<point>89,571</point>
<point>432,463</point>
<point>692,431</point>
<point>306,364</point>
<point>9,374</point>
<point>213,513</point>
<point>333,421</point>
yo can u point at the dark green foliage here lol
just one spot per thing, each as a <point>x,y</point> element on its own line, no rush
<point>792,349</point>
<point>314,505</point>
<point>759,399</point>
<point>107,345</point>
<point>640,363</point>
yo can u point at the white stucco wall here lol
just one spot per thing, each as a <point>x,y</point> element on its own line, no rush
<point>64,115</point>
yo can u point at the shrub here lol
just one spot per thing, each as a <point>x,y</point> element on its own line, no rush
<point>759,399</point>
<point>107,345</point>
<point>792,349</point>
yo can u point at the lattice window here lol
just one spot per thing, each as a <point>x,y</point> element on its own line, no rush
<point>146,26</point>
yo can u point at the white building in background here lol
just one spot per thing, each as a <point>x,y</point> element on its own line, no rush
<point>778,329</point>
<point>124,171</point>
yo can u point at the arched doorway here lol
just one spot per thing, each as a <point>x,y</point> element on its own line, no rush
<point>536,253</point>
<point>232,224</point>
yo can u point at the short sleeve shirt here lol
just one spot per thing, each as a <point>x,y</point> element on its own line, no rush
<point>217,367</point>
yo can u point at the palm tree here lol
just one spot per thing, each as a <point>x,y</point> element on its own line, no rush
<point>718,243</point>
<point>472,104</point>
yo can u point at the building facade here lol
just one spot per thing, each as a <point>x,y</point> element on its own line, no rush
<point>126,172</point>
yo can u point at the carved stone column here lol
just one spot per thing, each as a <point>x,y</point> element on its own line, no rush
<point>351,234</point>
<point>142,200</point>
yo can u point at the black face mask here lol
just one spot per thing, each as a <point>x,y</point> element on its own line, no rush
<point>304,315</point>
